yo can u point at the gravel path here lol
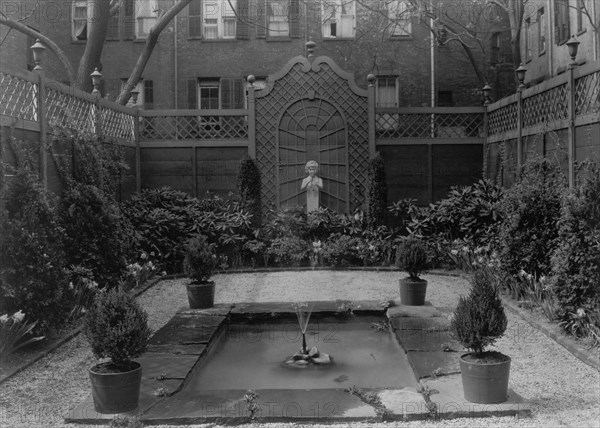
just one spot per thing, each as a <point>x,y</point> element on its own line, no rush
<point>562,390</point>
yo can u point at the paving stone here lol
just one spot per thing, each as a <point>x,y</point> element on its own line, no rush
<point>424,363</point>
<point>424,311</point>
<point>403,402</point>
<point>327,306</point>
<point>84,413</point>
<point>173,367</point>
<point>221,309</point>
<point>419,323</point>
<point>451,402</point>
<point>184,329</point>
<point>420,340</point>
<point>191,320</point>
<point>177,349</point>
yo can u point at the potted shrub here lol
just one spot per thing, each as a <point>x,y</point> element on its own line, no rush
<point>411,256</point>
<point>479,320</point>
<point>116,327</point>
<point>199,263</point>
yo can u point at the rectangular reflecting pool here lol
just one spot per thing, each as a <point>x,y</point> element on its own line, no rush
<point>253,356</point>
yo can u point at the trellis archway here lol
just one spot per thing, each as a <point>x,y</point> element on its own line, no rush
<point>327,114</point>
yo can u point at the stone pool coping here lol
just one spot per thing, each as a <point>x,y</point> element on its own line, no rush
<point>185,340</point>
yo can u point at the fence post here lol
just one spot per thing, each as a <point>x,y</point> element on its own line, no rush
<point>371,114</point>
<point>138,151</point>
<point>519,129</point>
<point>41,111</point>
<point>251,118</point>
<point>195,170</point>
<point>571,117</point>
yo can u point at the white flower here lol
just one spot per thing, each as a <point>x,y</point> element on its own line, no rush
<point>580,313</point>
<point>454,252</point>
<point>71,286</point>
<point>18,316</point>
<point>4,318</point>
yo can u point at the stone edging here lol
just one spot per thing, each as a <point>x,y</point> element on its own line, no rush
<point>570,345</point>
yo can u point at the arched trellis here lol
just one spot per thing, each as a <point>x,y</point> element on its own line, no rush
<point>313,80</point>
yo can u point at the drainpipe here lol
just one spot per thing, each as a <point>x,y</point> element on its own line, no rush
<point>175,68</point>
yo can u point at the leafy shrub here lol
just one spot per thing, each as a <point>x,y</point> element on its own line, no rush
<point>200,259</point>
<point>530,211</point>
<point>321,223</point>
<point>340,250</point>
<point>289,221</point>
<point>257,249</point>
<point>96,234</point>
<point>479,319</point>
<point>376,198</point>
<point>249,188</point>
<point>576,259</point>
<point>411,256</point>
<point>163,220</point>
<point>289,251</point>
<point>31,252</point>
<point>117,327</point>
<point>402,213</point>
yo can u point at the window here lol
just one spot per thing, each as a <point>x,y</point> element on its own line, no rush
<point>338,19</point>
<point>220,94</point>
<point>561,21</point>
<point>79,24</point>
<point>580,13</point>
<point>541,24</point>
<point>278,24</point>
<point>218,19</point>
<point>146,15</point>
<point>528,39</point>
<point>387,93</point>
<point>145,98</point>
<point>399,16</point>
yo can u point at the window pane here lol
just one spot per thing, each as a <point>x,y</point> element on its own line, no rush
<point>228,28</point>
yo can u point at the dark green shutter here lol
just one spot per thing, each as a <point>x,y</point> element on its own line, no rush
<point>242,29</point>
<point>148,94</point>
<point>294,17</point>
<point>128,20</point>
<point>261,18</point>
<point>227,94</point>
<point>195,19</point>
<point>192,94</point>
<point>112,31</point>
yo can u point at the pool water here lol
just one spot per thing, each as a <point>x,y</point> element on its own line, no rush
<point>253,357</point>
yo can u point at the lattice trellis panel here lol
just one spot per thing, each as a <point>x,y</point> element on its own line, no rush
<point>117,124</point>
<point>587,94</point>
<point>546,106</point>
<point>426,125</point>
<point>18,98</point>
<point>67,111</point>
<point>194,128</point>
<point>503,119</point>
<point>327,85</point>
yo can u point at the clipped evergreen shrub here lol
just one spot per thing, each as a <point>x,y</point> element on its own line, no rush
<point>376,197</point>
<point>411,257</point>
<point>117,328</point>
<point>479,319</point>
<point>576,259</point>
<point>249,189</point>
<point>200,259</point>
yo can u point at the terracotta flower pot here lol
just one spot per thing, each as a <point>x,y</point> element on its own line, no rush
<point>115,392</point>
<point>412,291</point>
<point>485,382</point>
<point>201,295</point>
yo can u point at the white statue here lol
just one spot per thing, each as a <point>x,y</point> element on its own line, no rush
<point>313,185</point>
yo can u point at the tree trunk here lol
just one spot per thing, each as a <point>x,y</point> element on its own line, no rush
<point>98,14</point>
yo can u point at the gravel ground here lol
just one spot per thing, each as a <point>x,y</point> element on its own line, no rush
<point>562,390</point>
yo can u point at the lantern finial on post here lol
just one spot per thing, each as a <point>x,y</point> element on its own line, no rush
<point>96,76</point>
<point>521,71</point>
<point>573,45</point>
<point>38,53</point>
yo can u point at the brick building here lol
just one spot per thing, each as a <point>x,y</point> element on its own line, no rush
<point>204,55</point>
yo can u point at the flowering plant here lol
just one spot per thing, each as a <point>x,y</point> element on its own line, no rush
<point>316,254</point>
<point>139,272</point>
<point>13,330</point>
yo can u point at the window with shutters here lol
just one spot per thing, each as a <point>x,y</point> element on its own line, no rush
<point>79,20</point>
<point>580,14</point>
<point>145,90</point>
<point>338,19</point>
<point>561,21</point>
<point>219,19</point>
<point>541,25</point>
<point>400,18</point>
<point>278,24</point>
<point>386,95</point>
<point>146,15</point>
<point>224,93</point>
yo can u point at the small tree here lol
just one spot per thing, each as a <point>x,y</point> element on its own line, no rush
<point>249,189</point>
<point>479,319</point>
<point>376,200</point>
<point>412,257</point>
<point>117,328</point>
<point>200,259</point>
